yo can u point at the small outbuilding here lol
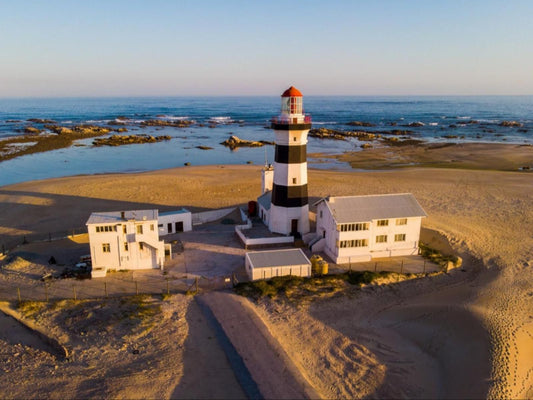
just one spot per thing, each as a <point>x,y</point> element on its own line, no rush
<point>271,263</point>
<point>174,222</point>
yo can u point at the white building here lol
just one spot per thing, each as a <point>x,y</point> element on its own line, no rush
<point>124,240</point>
<point>271,263</point>
<point>174,222</point>
<point>359,228</point>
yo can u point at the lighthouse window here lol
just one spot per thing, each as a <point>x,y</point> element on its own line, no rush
<point>293,180</point>
<point>294,139</point>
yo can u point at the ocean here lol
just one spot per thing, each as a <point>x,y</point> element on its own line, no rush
<point>438,119</point>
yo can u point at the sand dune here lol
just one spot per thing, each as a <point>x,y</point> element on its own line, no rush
<point>465,334</point>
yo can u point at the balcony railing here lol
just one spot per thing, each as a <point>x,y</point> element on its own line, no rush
<point>306,119</point>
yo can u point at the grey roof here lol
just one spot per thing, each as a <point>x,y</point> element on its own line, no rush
<point>277,258</point>
<point>367,208</point>
<point>116,216</point>
<point>265,200</point>
<point>182,211</point>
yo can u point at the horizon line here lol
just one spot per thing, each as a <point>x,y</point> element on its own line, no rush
<point>251,95</point>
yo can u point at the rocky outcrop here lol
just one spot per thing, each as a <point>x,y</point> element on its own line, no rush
<point>415,124</point>
<point>32,130</point>
<point>233,142</point>
<point>325,133</point>
<point>360,123</point>
<point>182,123</point>
<point>512,124</point>
<point>120,140</point>
<point>89,130</point>
<point>41,121</point>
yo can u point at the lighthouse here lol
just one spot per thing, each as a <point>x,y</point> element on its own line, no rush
<point>289,208</point>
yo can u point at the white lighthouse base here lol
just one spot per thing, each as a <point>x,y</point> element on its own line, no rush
<point>283,219</point>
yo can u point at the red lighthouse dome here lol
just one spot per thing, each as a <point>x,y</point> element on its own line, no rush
<point>292,92</point>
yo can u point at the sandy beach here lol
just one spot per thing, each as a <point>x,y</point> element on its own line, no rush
<point>466,334</point>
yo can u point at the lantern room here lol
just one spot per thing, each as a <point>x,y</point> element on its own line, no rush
<point>292,112</point>
<point>292,101</point>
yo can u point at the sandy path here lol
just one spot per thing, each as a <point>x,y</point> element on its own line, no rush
<point>266,360</point>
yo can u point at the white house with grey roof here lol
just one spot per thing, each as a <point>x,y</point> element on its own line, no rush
<point>124,240</point>
<point>271,263</point>
<point>360,228</point>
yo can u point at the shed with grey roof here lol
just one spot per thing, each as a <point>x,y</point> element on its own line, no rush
<point>271,263</point>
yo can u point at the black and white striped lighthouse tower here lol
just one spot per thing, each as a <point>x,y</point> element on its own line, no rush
<point>289,209</point>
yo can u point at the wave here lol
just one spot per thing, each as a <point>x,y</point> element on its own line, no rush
<point>465,117</point>
<point>433,123</point>
<point>172,117</point>
<point>221,120</point>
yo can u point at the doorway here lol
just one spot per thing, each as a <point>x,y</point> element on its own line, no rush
<point>294,226</point>
<point>169,227</point>
<point>179,226</point>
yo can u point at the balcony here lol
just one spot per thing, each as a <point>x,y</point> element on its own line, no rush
<point>284,122</point>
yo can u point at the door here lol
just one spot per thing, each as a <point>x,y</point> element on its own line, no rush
<point>169,227</point>
<point>294,226</point>
<point>179,226</point>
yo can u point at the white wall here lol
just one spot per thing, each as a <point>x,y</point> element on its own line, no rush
<point>391,248</point>
<point>165,219</point>
<point>209,216</point>
<point>280,219</point>
<point>270,272</point>
<point>151,255</point>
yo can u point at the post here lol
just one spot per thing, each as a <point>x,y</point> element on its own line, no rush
<point>105,289</point>
<point>18,293</point>
<point>74,292</point>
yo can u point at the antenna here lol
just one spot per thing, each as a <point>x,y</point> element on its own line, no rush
<point>266,160</point>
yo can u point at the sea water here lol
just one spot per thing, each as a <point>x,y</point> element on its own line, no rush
<point>216,118</point>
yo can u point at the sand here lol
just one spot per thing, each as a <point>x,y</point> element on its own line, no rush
<point>464,334</point>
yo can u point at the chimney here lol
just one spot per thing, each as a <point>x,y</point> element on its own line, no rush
<point>123,215</point>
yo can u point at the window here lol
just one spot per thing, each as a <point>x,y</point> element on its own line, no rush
<point>141,247</point>
<point>294,139</point>
<point>106,248</point>
<point>140,229</point>
<point>321,214</point>
<point>151,227</point>
<point>106,228</point>
<point>124,229</point>
<point>293,180</point>
<point>401,221</point>
<point>363,226</point>
<point>354,243</point>
<point>383,222</point>
<point>400,237</point>
<point>381,239</point>
<point>125,246</point>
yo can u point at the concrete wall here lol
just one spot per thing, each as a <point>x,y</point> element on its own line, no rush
<point>172,218</point>
<point>280,219</point>
<point>210,216</point>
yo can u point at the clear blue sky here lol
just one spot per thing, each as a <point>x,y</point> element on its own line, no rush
<point>224,47</point>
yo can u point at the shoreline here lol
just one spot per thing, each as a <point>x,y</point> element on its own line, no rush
<point>485,213</point>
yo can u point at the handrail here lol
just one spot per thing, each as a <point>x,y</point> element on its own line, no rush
<point>288,121</point>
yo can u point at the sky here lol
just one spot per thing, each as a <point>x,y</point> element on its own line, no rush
<point>76,48</point>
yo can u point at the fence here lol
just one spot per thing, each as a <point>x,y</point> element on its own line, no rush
<point>118,284</point>
<point>9,243</point>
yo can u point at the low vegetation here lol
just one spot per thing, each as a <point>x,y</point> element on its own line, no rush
<point>444,260</point>
<point>292,287</point>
